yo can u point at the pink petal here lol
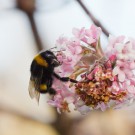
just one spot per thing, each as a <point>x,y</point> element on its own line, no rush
<point>78,49</point>
<point>79,33</point>
<point>83,109</point>
<point>75,49</point>
<point>120,39</point>
<point>116,86</point>
<point>75,31</point>
<point>69,99</point>
<point>96,31</point>
<point>132,65</point>
<point>131,89</point>
<point>102,106</point>
<point>90,76</point>
<point>90,40</point>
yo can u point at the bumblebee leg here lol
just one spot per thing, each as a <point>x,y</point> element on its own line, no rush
<point>51,91</point>
<point>72,80</point>
<point>64,79</point>
<point>49,82</point>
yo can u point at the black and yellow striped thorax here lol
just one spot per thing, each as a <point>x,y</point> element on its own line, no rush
<point>41,61</point>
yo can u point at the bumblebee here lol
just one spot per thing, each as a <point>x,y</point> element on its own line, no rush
<point>42,74</point>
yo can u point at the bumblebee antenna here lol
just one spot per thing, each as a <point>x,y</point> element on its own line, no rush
<point>53,48</point>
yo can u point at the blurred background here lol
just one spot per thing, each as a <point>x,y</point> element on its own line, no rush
<point>26,27</point>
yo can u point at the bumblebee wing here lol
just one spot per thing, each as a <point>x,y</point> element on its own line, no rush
<point>34,86</point>
<point>33,92</point>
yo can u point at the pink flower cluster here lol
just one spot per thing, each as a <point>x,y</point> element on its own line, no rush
<point>105,79</point>
<point>123,50</point>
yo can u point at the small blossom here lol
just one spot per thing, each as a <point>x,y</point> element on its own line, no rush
<point>93,32</point>
<point>113,42</point>
<point>75,48</point>
<point>88,36</point>
<point>102,106</point>
<point>61,43</point>
<point>124,51</point>
<point>120,72</point>
<point>79,33</point>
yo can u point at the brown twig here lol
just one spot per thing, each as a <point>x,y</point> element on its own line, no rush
<point>39,44</point>
<point>28,6</point>
<point>93,18</point>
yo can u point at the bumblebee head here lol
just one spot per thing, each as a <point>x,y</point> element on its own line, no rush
<point>50,58</point>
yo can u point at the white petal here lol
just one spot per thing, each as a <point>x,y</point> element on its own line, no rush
<point>119,47</point>
<point>69,99</point>
<point>116,70</point>
<point>120,56</point>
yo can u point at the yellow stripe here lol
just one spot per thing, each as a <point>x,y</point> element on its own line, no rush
<point>41,61</point>
<point>43,87</point>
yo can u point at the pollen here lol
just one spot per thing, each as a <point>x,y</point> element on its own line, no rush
<point>43,87</point>
<point>96,90</point>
